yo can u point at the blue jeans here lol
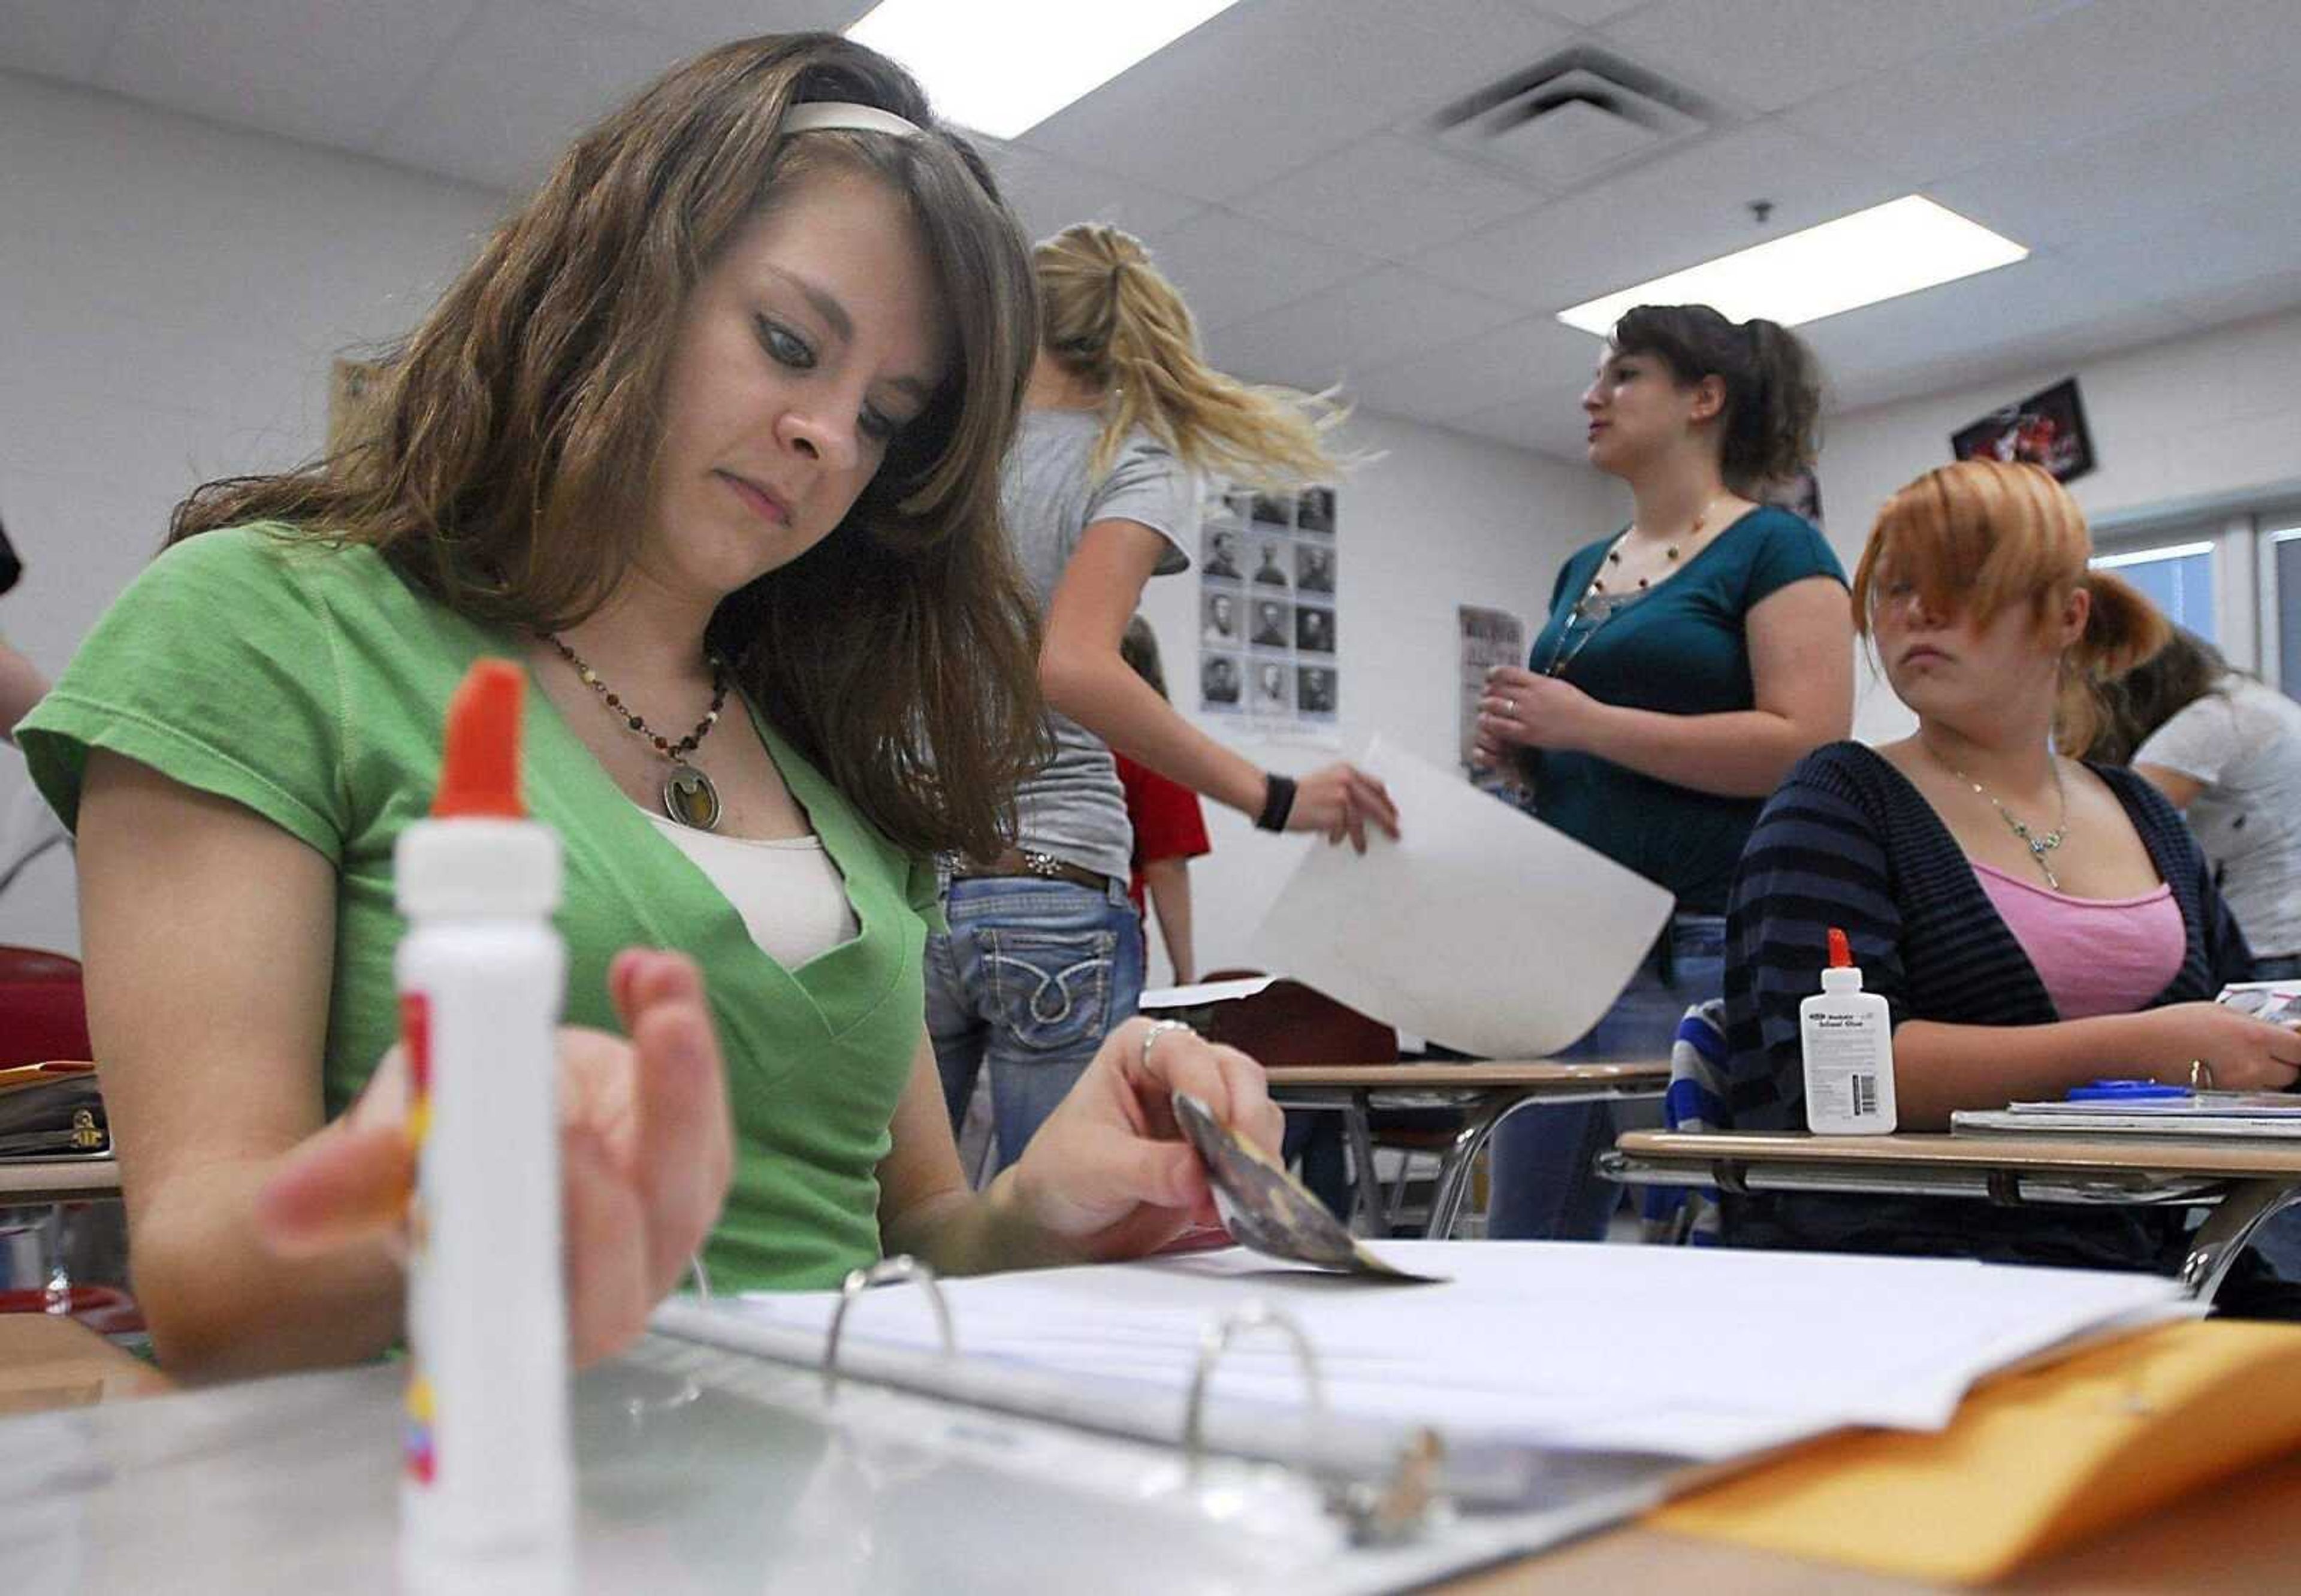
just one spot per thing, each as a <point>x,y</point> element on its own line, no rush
<point>1030,979</point>
<point>1544,1188</point>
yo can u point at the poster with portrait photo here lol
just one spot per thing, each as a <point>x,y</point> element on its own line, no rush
<point>2046,429</point>
<point>1273,565</point>
<point>1261,554</point>
<point>1317,692</point>
<point>1314,511</point>
<point>1271,623</point>
<point>1273,682</point>
<point>1314,629</point>
<point>1488,637</point>
<point>1221,677</point>
<point>1222,619</point>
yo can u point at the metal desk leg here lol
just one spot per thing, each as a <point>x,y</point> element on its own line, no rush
<point>1455,1164</point>
<point>1366,1191</point>
<point>2226,1230</point>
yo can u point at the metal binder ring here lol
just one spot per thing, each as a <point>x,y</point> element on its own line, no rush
<point>1216,1340</point>
<point>885,1272</point>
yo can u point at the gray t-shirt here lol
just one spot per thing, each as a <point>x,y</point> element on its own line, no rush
<point>1074,809</point>
<point>2242,741</point>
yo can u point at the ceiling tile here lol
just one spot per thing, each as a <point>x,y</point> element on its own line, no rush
<point>2136,177</point>
<point>2239,301</point>
<point>58,38</point>
<point>1505,365</point>
<point>1658,218</point>
<point>1230,268</point>
<point>2071,77</point>
<point>2228,244</point>
<point>571,67</point>
<point>1584,13</point>
<point>1264,88</point>
<point>716,22</point>
<point>1048,194</point>
<point>1332,336</point>
<point>1769,53</point>
<point>1389,196</point>
<point>332,72</point>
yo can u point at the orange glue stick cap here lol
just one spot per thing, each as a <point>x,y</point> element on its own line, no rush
<point>1841,952</point>
<point>482,777</point>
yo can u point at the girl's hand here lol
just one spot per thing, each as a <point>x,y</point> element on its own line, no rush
<point>646,1151</point>
<point>1523,710</point>
<point>2244,1054</point>
<point>1108,1176</point>
<point>1339,800</point>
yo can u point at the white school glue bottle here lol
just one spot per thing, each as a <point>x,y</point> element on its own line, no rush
<point>486,1492</point>
<point>1847,1037</point>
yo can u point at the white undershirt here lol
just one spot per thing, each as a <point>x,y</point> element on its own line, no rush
<point>791,895</point>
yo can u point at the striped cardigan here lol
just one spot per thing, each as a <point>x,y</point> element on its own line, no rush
<point>1848,841</point>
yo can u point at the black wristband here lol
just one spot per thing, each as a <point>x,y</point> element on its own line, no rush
<point>1277,803</point>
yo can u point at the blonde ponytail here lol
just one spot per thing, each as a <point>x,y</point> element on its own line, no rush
<point>1111,317</point>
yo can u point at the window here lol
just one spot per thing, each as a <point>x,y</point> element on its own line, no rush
<point>2284,551</point>
<point>2178,579</point>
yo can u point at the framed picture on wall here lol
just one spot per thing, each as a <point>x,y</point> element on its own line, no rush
<point>2046,429</point>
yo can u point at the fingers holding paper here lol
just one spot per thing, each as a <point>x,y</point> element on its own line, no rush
<point>1339,800</point>
<point>1109,1174</point>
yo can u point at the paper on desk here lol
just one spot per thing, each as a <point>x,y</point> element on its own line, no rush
<point>1683,1352</point>
<point>1480,928</point>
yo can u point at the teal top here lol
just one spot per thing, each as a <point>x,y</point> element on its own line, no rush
<point>1680,647</point>
<point>311,683</point>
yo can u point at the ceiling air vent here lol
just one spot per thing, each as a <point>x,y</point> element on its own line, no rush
<point>1573,117</point>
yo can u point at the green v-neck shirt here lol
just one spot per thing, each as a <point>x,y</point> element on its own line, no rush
<point>311,683</point>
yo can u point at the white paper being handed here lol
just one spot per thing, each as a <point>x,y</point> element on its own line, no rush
<point>1480,928</point>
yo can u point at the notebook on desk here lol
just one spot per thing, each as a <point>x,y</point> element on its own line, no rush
<point>2253,1114</point>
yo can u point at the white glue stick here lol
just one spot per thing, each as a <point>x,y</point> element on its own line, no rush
<point>1847,1037</point>
<point>487,1494</point>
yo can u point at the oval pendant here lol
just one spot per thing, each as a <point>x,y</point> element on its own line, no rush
<point>689,798</point>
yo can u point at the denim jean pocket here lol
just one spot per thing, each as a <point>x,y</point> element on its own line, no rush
<point>1049,988</point>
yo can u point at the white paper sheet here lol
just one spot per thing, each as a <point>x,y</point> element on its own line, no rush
<point>1692,1352</point>
<point>1204,993</point>
<point>1480,928</point>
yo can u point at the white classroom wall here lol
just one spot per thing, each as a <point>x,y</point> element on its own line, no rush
<point>171,294</point>
<point>2199,421</point>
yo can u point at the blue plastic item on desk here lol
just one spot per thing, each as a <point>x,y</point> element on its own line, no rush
<point>2125,1091</point>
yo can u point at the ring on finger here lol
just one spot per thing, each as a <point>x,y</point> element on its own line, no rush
<point>1154,1030</point>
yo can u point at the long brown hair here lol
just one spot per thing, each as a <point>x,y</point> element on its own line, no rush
<point>1981,536</point>
<point>1112,318</point>
<point>515,444</point>
<point>2184,670</point>
<point>1773,387</point>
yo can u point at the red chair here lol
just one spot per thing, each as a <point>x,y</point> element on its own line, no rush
<point>43,1011</point>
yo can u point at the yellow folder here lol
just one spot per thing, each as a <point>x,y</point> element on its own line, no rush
<point>2034,1460</point>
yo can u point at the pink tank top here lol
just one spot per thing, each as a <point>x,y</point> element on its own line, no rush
<point>2096,955</point>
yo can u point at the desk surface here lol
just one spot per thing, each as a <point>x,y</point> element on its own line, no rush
<point>2220,1158</point>
<point>50,1361</point>
<point>1495,1075</point>
<point>59,1180</point>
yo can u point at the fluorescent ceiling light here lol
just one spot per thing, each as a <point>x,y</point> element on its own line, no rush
<point>2149,556</point>
<point>1001,67</point>
<point>1882,253</point>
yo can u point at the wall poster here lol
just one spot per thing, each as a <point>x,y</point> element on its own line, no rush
<point>1489,638</point>
<point>1268,645</point>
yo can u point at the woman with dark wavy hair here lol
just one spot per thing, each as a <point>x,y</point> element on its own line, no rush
<point>709,437</point>
<point>1689,661</point>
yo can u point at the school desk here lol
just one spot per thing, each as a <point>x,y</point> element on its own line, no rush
<point>1484,1093</point>
<point>2244,1180</point>
<point>47,1360</point>
<point>24,1181</point>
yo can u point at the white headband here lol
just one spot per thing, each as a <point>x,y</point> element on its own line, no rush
<point>816,116</point>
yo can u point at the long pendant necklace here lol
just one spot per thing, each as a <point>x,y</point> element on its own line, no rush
<point>689,797</point>
<point>2039,847</point>
<point>1562,657</point>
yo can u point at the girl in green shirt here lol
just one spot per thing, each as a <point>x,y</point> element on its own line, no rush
<point>709,437</point>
